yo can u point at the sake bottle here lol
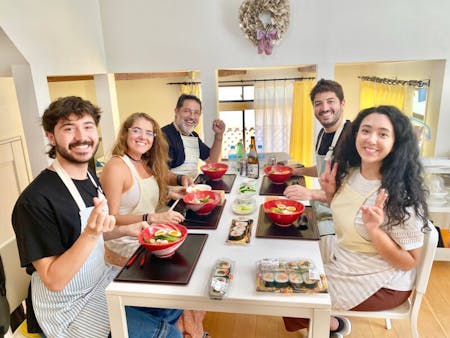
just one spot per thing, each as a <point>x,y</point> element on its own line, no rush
<point>252,160</point>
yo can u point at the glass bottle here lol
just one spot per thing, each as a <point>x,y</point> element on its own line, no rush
<point>252,160</point>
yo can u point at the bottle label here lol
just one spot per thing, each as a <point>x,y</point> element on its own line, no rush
<point>252,170</point>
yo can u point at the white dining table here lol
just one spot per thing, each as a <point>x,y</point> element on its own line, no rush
<point>242,296</point>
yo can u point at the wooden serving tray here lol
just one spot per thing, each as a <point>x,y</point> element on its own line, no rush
<point>225,184</point>
<point>267,229</point>
<point>194,221</point>
<point>271,189</point>
<point>177,269</point>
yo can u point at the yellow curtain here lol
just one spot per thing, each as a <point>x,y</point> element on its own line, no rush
<point>408,101</point>
<point>194,89</point>
<point>376,94</point>
<point>302,129</point>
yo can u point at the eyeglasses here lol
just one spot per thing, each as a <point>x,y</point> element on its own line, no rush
<point>139,132</point>
<point>193,112</point>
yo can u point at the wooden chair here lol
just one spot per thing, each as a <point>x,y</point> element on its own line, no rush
<point>410,308</point>
<point>17,280</point>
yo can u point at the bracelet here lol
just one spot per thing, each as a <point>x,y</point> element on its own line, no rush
<point>179,177</point>
<point>145,217</point>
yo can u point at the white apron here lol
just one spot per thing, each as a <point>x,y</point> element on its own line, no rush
<point>122,248</point>
<point>192,155</point>
<point>80,309</point>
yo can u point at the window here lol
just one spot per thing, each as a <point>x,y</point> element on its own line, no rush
<point>236,110</point>
<point>420,103</point>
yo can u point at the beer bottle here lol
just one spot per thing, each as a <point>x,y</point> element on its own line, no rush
<point>252,160</point>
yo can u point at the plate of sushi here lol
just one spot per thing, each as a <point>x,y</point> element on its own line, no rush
<point>240,230</point>
<point>289,276</point>
<point>221,276</point>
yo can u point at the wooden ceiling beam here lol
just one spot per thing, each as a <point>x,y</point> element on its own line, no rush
<point>231,72</point>
<point>140,76</point>
<point>308,69</point>
<point>70,78</point>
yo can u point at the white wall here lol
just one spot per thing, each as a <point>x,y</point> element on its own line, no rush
<point>205,35</point>
<point>63,37</point>
<point>11,125</point>
<point>59,36</point>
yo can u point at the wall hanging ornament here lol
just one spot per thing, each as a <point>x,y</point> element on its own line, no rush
<point>264,22</point>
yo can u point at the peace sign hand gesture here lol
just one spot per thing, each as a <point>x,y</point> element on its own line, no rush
<point>373,215</point>
<point>328,180</point>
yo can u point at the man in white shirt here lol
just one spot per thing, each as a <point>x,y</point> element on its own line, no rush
<point>185,146</point>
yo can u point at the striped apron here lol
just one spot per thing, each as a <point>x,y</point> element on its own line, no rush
<point>322,210</point>
<point>354,269</point>
<point>80,309</point>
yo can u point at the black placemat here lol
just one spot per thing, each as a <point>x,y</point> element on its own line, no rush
<point>271,189</point>
<point>267,229</point>
<point>174,270</point>
<point>194,221</point>
<point>225,184</point>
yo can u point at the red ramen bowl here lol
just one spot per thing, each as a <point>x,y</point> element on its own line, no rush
<point>214,171</point>
<point>163,239</point>
<point>278,174</point>
<point>283,212</point>
<point>202,202</point>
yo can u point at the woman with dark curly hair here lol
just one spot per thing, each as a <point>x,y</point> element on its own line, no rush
<point>378,200</point>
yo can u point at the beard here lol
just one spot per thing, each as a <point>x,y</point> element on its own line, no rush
<point>72,159</point>
<point>330,123</point>
<point>187,130</point>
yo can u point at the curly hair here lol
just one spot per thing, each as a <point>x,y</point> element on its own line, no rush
<point>62,108</point>
<point>401,169</point>
<point>323,86</point>
<point>156,158</point>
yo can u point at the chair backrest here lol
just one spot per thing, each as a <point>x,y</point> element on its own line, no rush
<point>17,280</point>
<point>426,260</point>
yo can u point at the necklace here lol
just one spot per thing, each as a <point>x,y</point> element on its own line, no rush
<point>133,159</point>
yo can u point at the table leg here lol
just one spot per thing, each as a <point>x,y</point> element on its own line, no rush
<point>117,317</point>
<point>320,324</point>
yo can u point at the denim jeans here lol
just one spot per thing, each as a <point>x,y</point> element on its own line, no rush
<point>152,322</point>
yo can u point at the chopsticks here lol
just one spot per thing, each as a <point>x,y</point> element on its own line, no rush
<point>133,258</point>
<point>143,258</point>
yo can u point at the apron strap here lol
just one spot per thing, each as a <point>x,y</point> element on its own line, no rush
<point>337,134</point>
<point>67,180</point>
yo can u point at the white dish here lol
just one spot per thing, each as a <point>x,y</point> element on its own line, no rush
<point>198,187</point>
<point>243,206</point>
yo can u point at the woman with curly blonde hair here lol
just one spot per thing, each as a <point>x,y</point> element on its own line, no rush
<point>135,181</point>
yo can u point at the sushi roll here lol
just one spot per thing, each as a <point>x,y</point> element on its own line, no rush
<point>218,288</point>
<point>304,266</point>
<point>241,224</point>
<point>242,228</point>
<point>281,279</point>
<point>268,279</point>
<point>221,272</point>
<point>223,265</point>
<point>236,235</point>
<point>296,280</point>
<point>309,283</point>
<point>292,265</point>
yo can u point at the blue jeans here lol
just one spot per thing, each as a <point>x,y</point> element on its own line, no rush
<point>152,322</point>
